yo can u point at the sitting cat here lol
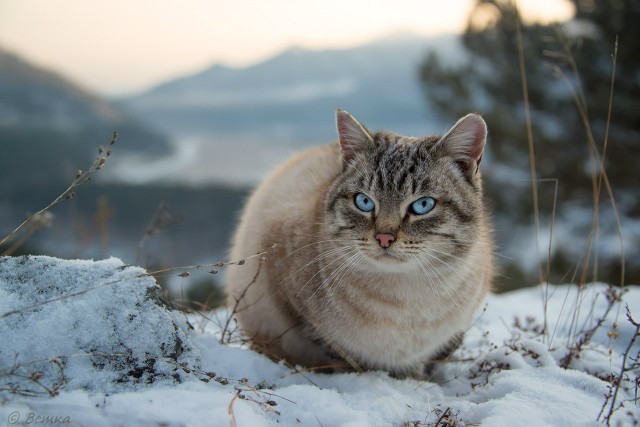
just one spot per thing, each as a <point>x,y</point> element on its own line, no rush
<point>383,250</point>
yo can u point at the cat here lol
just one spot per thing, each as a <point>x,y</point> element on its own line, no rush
<point>383,250</point>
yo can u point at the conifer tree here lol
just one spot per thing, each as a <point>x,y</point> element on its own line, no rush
<point>559,60</point>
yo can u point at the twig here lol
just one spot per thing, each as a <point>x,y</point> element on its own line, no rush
<point>147,274</point>
<point>230,410</point>
<point>161,219</point>
<point>623,369</point>
<point>444,416</point>
<point>612,298</point>
<point>532,156</point>
<point>81,178</point>
<point>225,329</point>
<point>604,152</point>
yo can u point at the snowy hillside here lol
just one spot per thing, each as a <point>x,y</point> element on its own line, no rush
<point>93,344</point>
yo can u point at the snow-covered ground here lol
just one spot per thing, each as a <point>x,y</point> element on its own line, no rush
<point>70,329</point>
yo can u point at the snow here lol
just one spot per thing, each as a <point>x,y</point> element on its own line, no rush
<point>114,316</point>
<point>506,373</point>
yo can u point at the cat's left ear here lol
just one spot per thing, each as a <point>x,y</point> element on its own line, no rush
<point>352,135</point>
<point>465,142</point>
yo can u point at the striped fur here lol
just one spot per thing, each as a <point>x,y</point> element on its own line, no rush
<point>331,294</point>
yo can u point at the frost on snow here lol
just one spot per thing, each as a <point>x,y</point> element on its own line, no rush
<point>83,324</point>
<point>98,337</point>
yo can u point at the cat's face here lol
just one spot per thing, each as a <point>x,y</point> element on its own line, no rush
<point>406,202</point>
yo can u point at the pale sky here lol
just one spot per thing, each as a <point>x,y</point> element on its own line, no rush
<point>116,47</point>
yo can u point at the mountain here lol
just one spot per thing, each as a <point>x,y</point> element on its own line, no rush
<point>298,90</point>
<point>50,127</point>
<point>33,96</point>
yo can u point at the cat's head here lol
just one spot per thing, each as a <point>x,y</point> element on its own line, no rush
<point>407,201</point>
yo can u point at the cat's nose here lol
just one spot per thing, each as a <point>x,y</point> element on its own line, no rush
<point>385,239</point>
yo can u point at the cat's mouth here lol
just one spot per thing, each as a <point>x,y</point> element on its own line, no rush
<point>388,257</point>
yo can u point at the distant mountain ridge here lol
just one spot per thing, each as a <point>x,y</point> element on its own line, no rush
<point>300,88</point>
<point>30,95</point>
<point>50,127</point>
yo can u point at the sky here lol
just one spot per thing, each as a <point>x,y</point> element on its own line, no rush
<point>119,47</point>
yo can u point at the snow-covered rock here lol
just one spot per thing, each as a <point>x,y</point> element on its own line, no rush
<point>100,326</point>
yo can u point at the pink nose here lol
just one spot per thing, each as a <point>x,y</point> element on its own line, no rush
<point>385,239</point>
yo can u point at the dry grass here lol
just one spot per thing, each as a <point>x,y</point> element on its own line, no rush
<point>589,260</point>
<point>438,417</point>
<point>43,218</point>
<point>628,376</point>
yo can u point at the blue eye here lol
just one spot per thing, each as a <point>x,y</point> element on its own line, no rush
<point>422,205</point>
<point>364,202</point>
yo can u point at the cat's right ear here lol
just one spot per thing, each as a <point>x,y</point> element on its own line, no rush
<point>465,143</point>
<point>353,137</point>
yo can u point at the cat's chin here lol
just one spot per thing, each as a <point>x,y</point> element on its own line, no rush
<point>388,261</point>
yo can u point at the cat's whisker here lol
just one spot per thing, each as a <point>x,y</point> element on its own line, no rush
<point>426,276</point>
<point>324,281</point>
<point>336,272</point>
<point>352,263</point>
<point>334,277</point>
<point>431,249</point>
<point>450,266</point>
<point>432,272</point>
<point>322,269</point>
<point>297,233</point>
<point>442,281</point>
<point>324,234</point>
<point>492,252</point>
<point>311,244</point>
<point>325,255</point>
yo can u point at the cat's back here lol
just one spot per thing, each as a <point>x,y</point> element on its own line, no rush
<point>305,172</point>
<point>287,198</point>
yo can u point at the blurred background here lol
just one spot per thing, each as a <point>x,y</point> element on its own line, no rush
<point>209,96</point>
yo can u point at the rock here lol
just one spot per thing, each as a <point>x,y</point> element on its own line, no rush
<point>79,324</point>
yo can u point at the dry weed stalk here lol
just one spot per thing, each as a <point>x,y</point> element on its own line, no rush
<point>613,297</point>
<point>261,394</point>
<point>82,177</point>
<point>35,222</point>
<point>34,378</point>
<point>622,376</point>
<point>532,158</point>
<point>441,418</point>
<point>162,218</point>
<point>599,174</point>
<point>598,177</point>
<point>235,309</point>
<point>146,274</point>
<point>533,174</point>
<point>597,157</point>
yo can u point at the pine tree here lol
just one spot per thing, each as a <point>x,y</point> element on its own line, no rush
<point>560,60</point>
